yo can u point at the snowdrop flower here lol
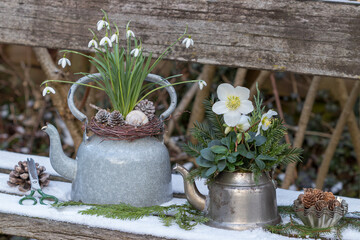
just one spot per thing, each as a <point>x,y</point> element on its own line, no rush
<point>135,52</point>
<point>233,102</point>
<point>129,34</point>
<point>115,37</point>
<point>48,90</point>
<point>100,24</point>
<point>188,41</point>
<point>63,61</point>
<point>93,43</point>
<point>265,121</point>
<point>202,83</point>
<point>105,40</point>
<point>244,124</point>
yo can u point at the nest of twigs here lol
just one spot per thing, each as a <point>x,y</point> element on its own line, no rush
<point>154,127</point>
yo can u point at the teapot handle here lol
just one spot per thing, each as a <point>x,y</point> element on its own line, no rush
<point>150,78</point>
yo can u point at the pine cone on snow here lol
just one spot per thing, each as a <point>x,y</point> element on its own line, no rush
<point>146,107</point>
<point>20,176</point>
<point>102,116</point>
<point>115,119</point>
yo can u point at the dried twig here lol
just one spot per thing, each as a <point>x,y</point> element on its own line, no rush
<point>240,77</point>
<point>290,174</point>
<point>184,103</point>
<point>312,133</point>
<point>198,110</point>
<point>59,99</point>
<point>278,103</point>
<point>351,121</point>
<point>259,81</point>
<point>330,150</point>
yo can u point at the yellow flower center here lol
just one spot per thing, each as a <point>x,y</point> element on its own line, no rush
<point>233,102</point>
<point>266,122</point>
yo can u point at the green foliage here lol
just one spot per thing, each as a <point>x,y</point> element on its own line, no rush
<point>239,151</point>
<point>183,215</point>
<point>298,230</point>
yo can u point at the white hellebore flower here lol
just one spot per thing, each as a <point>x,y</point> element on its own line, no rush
<point>135,52</point>
<point>188,41</point>
<point>48,90</point>
<point>202,83</point>
<point>100,24</point>
<point>243,124</point>
<point>130,33</point>
<point>233,102</point>
<point>115,37</point>
<point>93,43</point>
<point>63,61</point>
<point>265,121</point>
<point>105,40</point>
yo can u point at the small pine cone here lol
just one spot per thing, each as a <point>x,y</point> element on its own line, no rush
<point>319,195</point>
<point>333,203</point>
<point>308,190</point>
<point>329,196</point>
<point>115,118</point>
<point>102,116</point>
<point>309,200</point>
<point>301,197</point>
<point>146,107</point>
<point>319,205</point>
<point>19,177</point>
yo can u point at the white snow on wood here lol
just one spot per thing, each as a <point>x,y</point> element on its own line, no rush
<point>8,160</point>
<point>148,225</point>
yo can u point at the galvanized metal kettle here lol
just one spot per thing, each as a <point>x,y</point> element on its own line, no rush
<point>235,200</point>
<point>106,171</point>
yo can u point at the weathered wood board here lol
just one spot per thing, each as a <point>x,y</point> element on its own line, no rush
<point>303,36</point>
<point>46,229</point>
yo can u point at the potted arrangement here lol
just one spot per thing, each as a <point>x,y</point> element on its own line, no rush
<point>125,161</point>
<point>238,147</point>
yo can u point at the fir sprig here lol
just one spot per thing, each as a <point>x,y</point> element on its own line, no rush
<point>185,216</point>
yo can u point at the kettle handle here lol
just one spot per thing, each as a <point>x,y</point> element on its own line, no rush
<point>150,78</point>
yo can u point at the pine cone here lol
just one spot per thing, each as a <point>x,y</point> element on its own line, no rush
<point>319,195</point>
<point>115,118</point>
<point>309,200</point>
<point>333,203</point>
<point>319,205</point>
<point>329,196</point>
<point>20,176</point>
<point>102,116</point>
<point>146,107</point>
<point>308,190</point>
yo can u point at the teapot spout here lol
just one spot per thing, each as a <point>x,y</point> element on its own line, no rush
<point>61,163</point>
<point>193,195</point>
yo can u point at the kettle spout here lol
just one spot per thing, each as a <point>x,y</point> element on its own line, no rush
<point>193,195</point>
<point>61,163</point>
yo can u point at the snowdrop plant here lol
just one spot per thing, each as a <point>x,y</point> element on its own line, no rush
<point>239,137</point>
<point>123,69</point>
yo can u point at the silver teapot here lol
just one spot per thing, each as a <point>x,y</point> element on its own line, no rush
<point>107,171</point>
<point>235,200</point>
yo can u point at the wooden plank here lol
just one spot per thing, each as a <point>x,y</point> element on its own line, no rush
<point>312,37</point>
<point>38,228</point>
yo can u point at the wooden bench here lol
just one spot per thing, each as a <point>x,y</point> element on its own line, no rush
<point>302,36</point>
<point>45,222</point>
